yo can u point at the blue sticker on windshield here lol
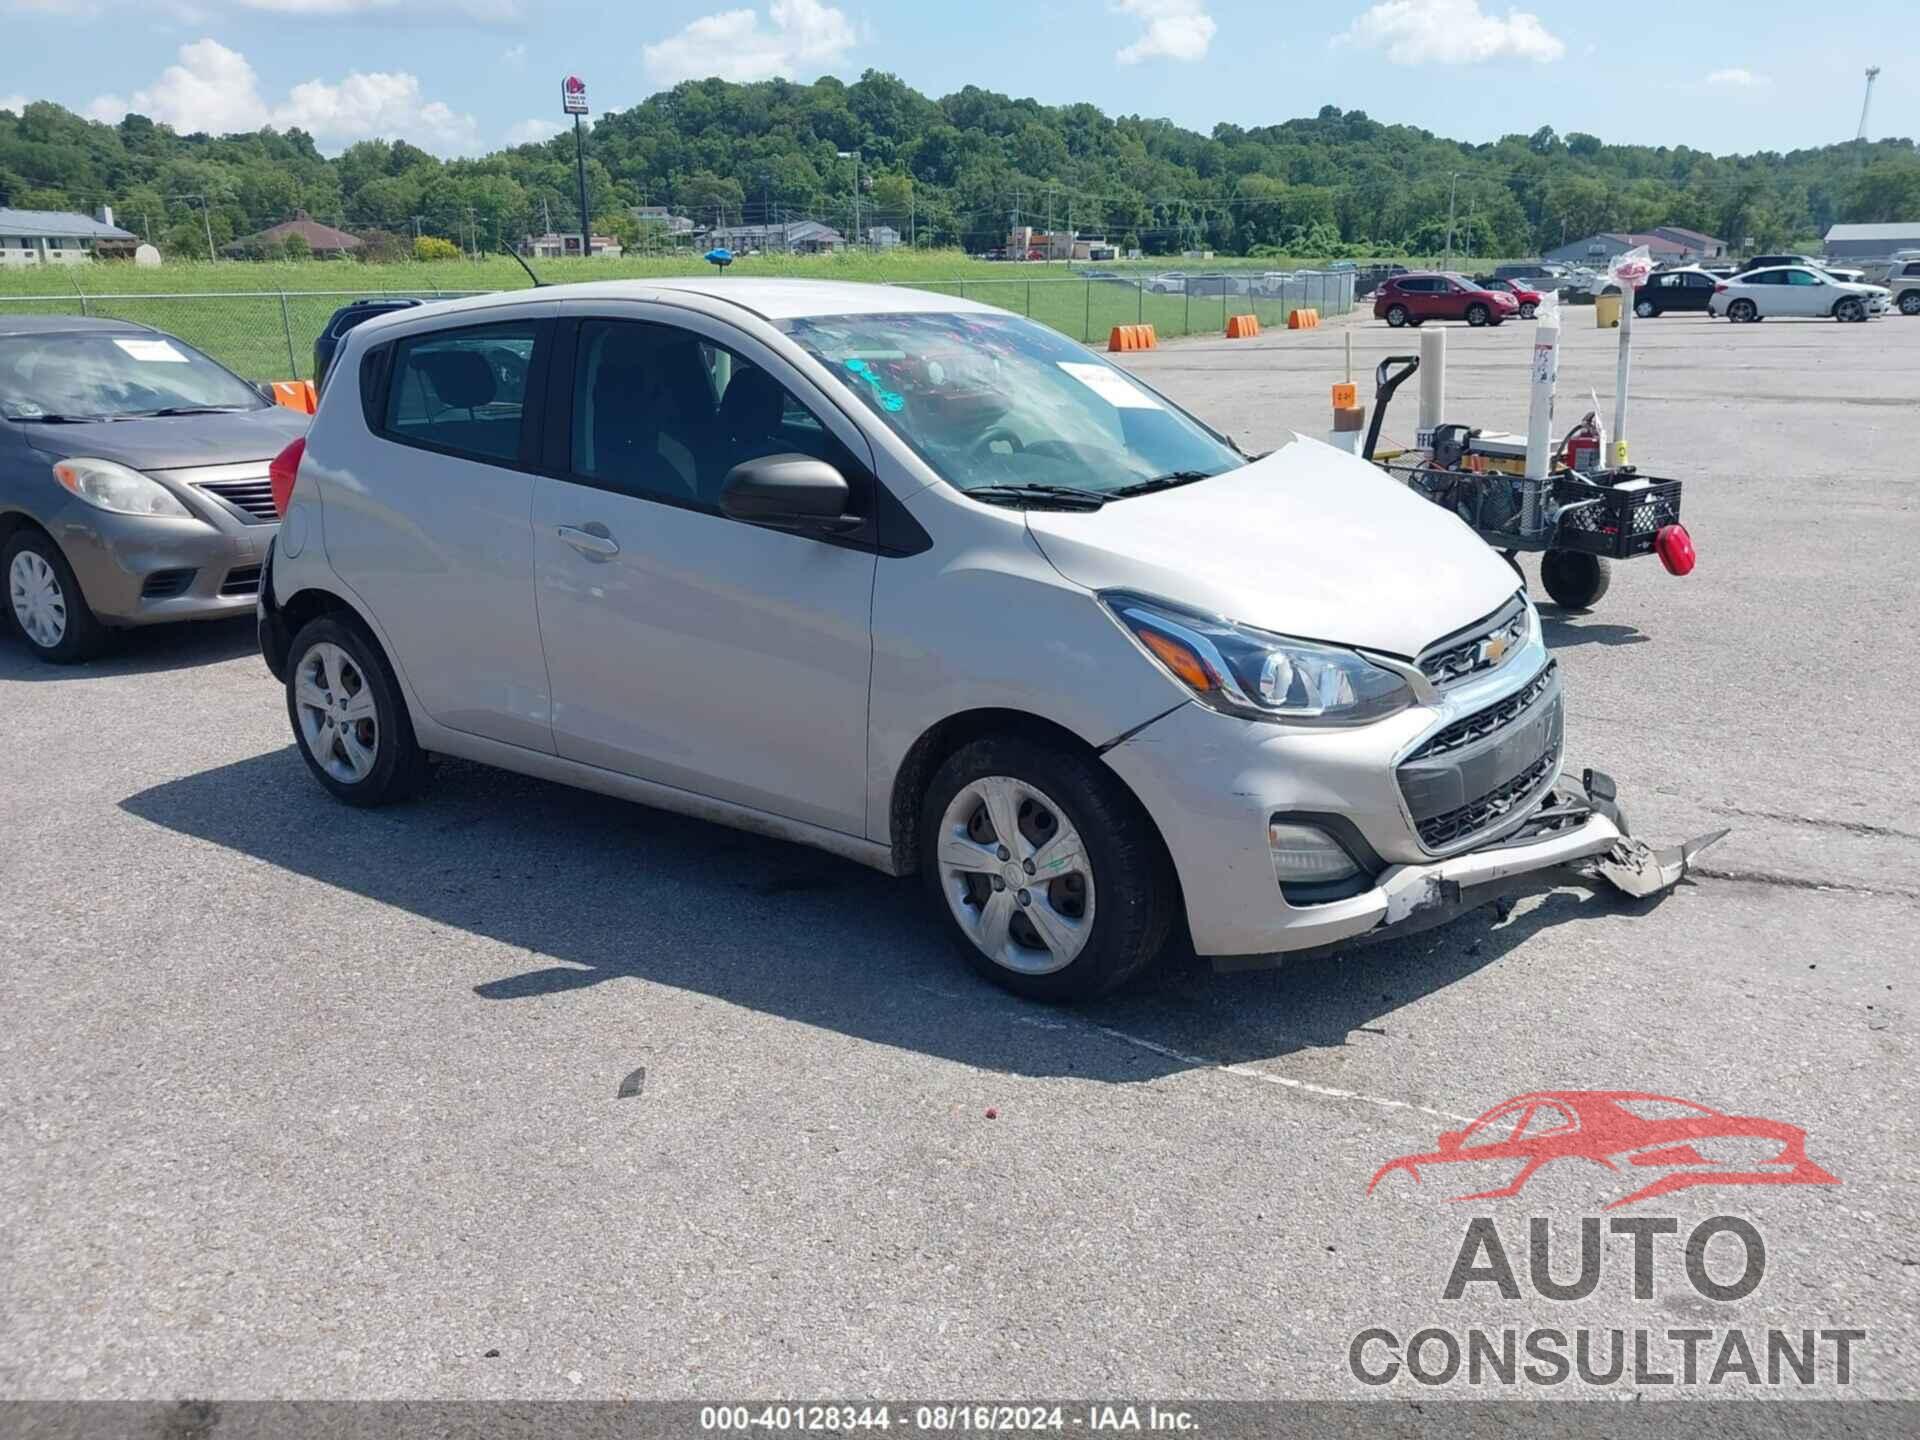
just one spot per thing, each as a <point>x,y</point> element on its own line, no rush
<point>891,401</point>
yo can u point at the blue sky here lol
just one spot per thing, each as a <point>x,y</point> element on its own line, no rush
<point>461,76</point>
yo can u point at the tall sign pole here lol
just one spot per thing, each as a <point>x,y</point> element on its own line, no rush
<point>573,101</point>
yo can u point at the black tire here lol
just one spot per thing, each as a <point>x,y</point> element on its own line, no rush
<point>81,636</point>
<point>1910,302</point>
<point>1134,894</point>
<point>399,769</point>
<point>1743,312</point>
<point>1851,310</point>
<point>1526,310</point>
<point>1478,315</point>
<point>1574,579</point>
<point>1645,309</point>
<point>1397,316</point>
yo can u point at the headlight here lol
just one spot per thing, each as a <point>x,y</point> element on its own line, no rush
<point>1248,672</point>
<point>108,486</point>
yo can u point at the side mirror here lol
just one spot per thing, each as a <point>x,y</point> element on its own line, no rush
<point>789,492</point>
<point>1450,1141</point>
<point>265,389</point>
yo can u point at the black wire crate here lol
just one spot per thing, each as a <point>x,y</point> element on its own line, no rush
<point>1629,509</point>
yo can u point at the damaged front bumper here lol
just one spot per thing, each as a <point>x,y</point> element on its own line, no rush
<point>1577,835</point>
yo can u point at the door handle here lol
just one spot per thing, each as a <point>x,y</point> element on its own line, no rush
<point>591,541</point>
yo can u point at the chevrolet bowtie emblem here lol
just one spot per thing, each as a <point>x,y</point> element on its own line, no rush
<point>1493,649</point>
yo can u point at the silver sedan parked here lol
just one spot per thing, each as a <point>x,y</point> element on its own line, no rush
<point>133,481</point>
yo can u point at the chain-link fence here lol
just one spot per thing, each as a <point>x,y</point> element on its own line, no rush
<point>269,334</point>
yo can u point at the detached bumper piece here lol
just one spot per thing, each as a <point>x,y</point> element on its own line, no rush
<point>1577,835</point>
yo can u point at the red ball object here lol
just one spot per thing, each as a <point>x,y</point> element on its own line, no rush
<point>992,1114</point>
<point>1674,546</point>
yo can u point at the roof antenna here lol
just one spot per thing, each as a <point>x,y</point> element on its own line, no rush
<point>537,281</point>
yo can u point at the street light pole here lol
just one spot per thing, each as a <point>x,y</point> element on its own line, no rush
<point>854,155</point>
<point>1452,181</point>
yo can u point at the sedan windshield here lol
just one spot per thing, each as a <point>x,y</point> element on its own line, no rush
<point>995,401</point>
<point>112,375</point>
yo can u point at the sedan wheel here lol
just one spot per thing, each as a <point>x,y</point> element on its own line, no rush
<point>1396,315</point>
<point>339,721</point>
<point>39,603</point>
<point>45,601</point>
<point>1526,310</point>
<point>1644,309</point>
<point>1477,315</point>
<point>1851,310</point>
<point>1742,312</point>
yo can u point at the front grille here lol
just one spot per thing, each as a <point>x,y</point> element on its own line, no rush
<point>165,584</point>
<point>1440,831</point>
<point>1495,717</point>
<point>253,497</point>
<point>1482,646</point>
<point>244,580</point>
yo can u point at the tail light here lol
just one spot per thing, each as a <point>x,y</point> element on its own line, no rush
<point>284,470</point>
<point>1720,288</point>
<point>1674,546</point>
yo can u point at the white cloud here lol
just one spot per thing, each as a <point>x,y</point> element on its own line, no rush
<point>1736,78</point>
<point>487,12</point>
<point>15,103</point>
<point>532,132</point>
<point>515,54</point>
<point>216,89</point>
<point>1175,30</point>
<point>804,35</point>
<point>1451,32</point>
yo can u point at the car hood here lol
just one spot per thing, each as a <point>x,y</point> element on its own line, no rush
<point>174,442</point>
<point>1310,542</point>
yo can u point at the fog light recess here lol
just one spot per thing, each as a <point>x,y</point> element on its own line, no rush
<point>1307,855</point>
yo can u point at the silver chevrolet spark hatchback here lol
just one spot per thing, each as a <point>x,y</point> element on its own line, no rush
<point>923,584</point>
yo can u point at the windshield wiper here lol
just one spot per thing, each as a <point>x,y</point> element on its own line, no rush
<point>1063,497</point>
<point>51,418</point>
<point>1164,482</point>
<point>191,410</point>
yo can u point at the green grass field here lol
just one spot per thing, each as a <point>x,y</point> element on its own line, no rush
<point>260,318</point>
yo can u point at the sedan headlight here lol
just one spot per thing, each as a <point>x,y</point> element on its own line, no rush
<point>110,486</point>
<point>1247,672</point>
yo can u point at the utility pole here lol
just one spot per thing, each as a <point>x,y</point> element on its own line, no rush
<point>1873,73</point>
<point>1452,181</point>
<point>854,155</point>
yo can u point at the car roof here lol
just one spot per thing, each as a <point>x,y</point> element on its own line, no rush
<point>65,325</point>
<point>768,298</point>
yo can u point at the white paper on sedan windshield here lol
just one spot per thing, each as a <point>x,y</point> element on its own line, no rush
<point>156,351</point>
<point>1109,386</point>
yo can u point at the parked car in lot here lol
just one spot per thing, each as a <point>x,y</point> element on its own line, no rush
<point>133,481</point>
<point>1684,288</point>
<point>1903,283</point>
<point>343,320</point>
<point>1772,262</point>
<point>1416,299</point>
<point>911,579</point>
<point>1527,297</point>
<point>1795,290</point>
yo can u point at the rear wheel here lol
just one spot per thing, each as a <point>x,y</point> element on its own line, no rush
<point>45,602</point>
<point>348,716</point>
<point>1574,579</point>
<point>1851,310</point>
<point>1742,312</point>
<point>1396,315</point>
<point>1051,875</point>
<point>1644,309</point>
<point>1910,303</point>
<point>1477,315</point>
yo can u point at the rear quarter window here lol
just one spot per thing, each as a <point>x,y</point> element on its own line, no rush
<point>461,391</point>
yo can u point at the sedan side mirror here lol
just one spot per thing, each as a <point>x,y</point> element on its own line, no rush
<point>789,492</point>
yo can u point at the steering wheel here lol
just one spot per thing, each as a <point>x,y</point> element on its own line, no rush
<point>509,368</point>
<point>984,445</point>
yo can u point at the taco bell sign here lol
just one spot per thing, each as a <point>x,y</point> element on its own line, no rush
<point>573,96</point>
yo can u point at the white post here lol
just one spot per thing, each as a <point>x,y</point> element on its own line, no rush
<point>1433,384</point>
<point>1541,378</point>
<point>1622,371</point>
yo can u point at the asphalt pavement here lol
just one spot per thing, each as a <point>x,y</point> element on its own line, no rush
<point>307,1102</point>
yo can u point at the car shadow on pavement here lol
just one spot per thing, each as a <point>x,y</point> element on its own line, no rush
<point>145,650</point>
<point>1564,632</point>
<point>575,890</point>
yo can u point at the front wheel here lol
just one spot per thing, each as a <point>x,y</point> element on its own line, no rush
<point>348,716</point>
<point>1644,309</point>
<point>46,604</point>
<point>1396,315</point>
<point>1526,310</point>
<point>1743,312</point>
<point>1574,579</point>
<point>1050,873</point>
<point>1850,311</point>
<point>1477,315</point>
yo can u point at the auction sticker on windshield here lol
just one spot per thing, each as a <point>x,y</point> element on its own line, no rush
<point>152,350</point>
<point>1110,385</point>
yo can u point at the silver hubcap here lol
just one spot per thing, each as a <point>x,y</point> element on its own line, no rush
<point>39,604</point>
<point>338,722</point>
<point>1016,875</point>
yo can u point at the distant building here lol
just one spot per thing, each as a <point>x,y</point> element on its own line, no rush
<point>552,246</point>
<point>1701,245</point>
<point>58,237</point>
<point>1869,242</point>
<point>882,237</point>
<point>795,237</point>
<point>1597,251</point>
<point>323,241</point>
<point>1024,240</point>
<point>677,226</point>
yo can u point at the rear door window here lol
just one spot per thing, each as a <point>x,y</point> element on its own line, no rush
<point>463,391</point>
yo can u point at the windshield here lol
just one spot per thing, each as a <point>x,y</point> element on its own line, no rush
<point>106,374</point>
<point>995,400</point>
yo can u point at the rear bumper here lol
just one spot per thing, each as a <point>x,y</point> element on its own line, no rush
<point>270,625</point>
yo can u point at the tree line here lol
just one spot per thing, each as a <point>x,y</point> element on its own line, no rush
<point>957,171</point>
